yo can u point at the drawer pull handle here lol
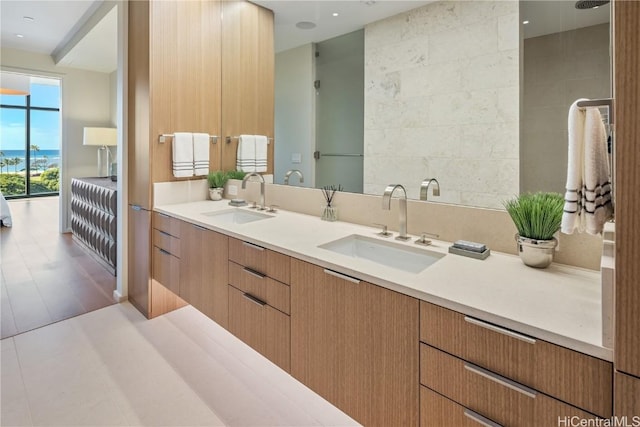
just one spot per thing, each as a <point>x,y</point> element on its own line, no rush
<point>253,246</point>
<point>162,251</point>
<point>254,300</point>
<point>136,207</point>
<point>163,215</point>
<point>254,273</point>
<point>474,416</point>
<point>164,233</point>
<point>341,276</point>
<point>199,227</point>
<point>500,380</point>
<point>499,330</point>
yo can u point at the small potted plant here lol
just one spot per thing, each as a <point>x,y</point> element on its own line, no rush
<point>217,180</point>
<point>236,175</point>
<point>537,217</point>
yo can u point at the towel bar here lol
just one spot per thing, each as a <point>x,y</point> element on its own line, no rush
<point>605,102</point>
<point>228,139</point>
<point>162,138</point>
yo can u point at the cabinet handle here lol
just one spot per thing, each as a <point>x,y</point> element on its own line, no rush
<point>199,227</point>
<point>164,252</point>
<point>499,330</point>
<point>163,233</point>
<point>500,380</point>
<point>136,207</point>
<point>253,246</point>
<point>341,276</point>
<point>254,273</point>
<point>254,300</point>
<point>163,215</point>
<point>474,416</point>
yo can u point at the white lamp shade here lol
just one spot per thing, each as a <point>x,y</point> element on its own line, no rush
<point>14,84</point>
<point>100,136</point>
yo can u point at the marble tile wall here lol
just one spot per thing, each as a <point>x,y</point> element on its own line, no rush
<point>442,100</point>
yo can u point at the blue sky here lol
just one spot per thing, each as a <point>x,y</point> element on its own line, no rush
<point>45,125</point>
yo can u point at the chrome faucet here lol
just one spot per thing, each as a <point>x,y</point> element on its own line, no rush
<point>291,172</point>
<point>386,205</point>
<point>244,186</point>
<point>424,188</point>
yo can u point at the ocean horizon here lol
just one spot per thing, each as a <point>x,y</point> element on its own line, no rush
<point>52,156</point>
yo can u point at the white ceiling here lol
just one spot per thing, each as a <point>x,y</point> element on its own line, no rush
<point>56,22</point>
<point>353,15</point>
<point>548,17</point>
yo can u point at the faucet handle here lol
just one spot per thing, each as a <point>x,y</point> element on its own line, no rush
<point>384,232</point>
<point>272,209</point>
<point>254,205</point>
<point>423,238</point>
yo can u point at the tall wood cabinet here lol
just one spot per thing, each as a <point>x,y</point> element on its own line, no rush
<point>627,109</point>
<point>178,53</point>
<point>355,344</point>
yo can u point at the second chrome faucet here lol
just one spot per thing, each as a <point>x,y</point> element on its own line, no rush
<point>386,205</point>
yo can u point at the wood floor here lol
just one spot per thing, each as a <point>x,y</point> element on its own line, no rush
<point>46,276</point>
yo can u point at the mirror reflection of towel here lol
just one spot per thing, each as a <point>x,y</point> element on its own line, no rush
<point>588,191</point>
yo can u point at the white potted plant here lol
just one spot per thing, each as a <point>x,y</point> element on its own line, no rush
<point>217,180</point>
<point>537,217</point>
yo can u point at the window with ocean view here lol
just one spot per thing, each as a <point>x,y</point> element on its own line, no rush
<point>30,140</point>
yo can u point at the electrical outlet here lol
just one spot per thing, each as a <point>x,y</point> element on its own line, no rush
<point>233,190</point>
<point>296,158</point>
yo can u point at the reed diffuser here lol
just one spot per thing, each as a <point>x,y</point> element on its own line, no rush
<point>330,212</point>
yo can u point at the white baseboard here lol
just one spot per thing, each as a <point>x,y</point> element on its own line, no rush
<point>117,296</point>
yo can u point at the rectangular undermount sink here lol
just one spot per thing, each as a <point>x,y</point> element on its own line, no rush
<point>390,254</point>
<point>237,216</point>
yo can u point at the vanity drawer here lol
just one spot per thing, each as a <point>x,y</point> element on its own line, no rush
<point>166,269</point>
<point>573,377</point>
<point>261,326</point>
<point>495,397</point>
<point>257,258</point>
<point>166,223</point>
<point>438,411</point>
<point>271,291</point>
<point>166,242</point>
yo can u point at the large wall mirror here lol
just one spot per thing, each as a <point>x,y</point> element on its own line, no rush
<point>472,93</point>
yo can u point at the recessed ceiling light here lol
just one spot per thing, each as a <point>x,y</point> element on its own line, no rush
<point>305,25</point>
<point>20,36</point>
<point>28,18</point>
<point>335,14</point>
<point>525,22</point>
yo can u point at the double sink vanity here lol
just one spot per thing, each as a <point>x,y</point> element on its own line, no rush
<point>390,332</point>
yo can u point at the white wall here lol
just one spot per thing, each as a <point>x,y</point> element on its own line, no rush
<point>86,101</point>
<point>113,98</point>
<point>294,113</point>
<point>442,100</point>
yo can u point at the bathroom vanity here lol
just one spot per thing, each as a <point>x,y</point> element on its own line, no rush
<point>462,339</point>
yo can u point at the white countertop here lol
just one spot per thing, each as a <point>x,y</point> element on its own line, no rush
<point>559,304</point>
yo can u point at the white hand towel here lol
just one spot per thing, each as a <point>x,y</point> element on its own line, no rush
<point>262,143</point>
<point>597,192</point>
<point>587,203</point>
<point>201,153</point>
<point>182,154</point>
<point>246,155</point>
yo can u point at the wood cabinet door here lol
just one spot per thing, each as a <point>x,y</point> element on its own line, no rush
<point>204,271</point>
<point>139,249</point>
<point>248,65</point>
<point>627,109</point>
<point>356,345</point>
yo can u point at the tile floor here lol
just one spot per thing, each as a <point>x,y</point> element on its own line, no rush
<point>112,367</point>
<point>45,276</point>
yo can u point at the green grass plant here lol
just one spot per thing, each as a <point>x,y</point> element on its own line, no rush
<point>536,215</point>
<point>217,179</point>
<point>236,174</point>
